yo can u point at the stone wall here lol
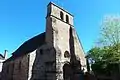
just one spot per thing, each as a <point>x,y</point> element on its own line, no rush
<point>16,69</point>
<point>42,64</point>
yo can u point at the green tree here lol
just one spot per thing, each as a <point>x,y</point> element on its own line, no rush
<point>108,50</point>
<point>110,38</point>
<point>110,31</point>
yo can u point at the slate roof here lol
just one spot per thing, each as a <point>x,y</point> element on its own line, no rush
<point>28,46</point>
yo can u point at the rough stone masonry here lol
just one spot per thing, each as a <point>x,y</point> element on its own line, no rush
<point>55,54</point>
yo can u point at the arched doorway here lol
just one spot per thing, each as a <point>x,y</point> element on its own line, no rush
<point>67,71</point>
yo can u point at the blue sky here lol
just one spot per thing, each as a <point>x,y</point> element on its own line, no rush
<point>21,20</point>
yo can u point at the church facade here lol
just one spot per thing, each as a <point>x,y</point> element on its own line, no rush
<point>55,54</point>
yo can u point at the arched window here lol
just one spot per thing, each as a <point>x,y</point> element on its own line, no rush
<point>61,15</point>
<point>67,19</point>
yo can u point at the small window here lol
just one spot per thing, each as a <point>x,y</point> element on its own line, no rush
<point>67,19</point>
<point>61,15</point>
<point>66,54</point>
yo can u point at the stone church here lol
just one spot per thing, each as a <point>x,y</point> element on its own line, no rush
<point>55,54</point>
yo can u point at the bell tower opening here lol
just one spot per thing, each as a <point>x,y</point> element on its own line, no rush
<point>61,15</point>
<point>67,19</point>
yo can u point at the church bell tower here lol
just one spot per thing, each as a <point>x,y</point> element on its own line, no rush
<point>60,34</point>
